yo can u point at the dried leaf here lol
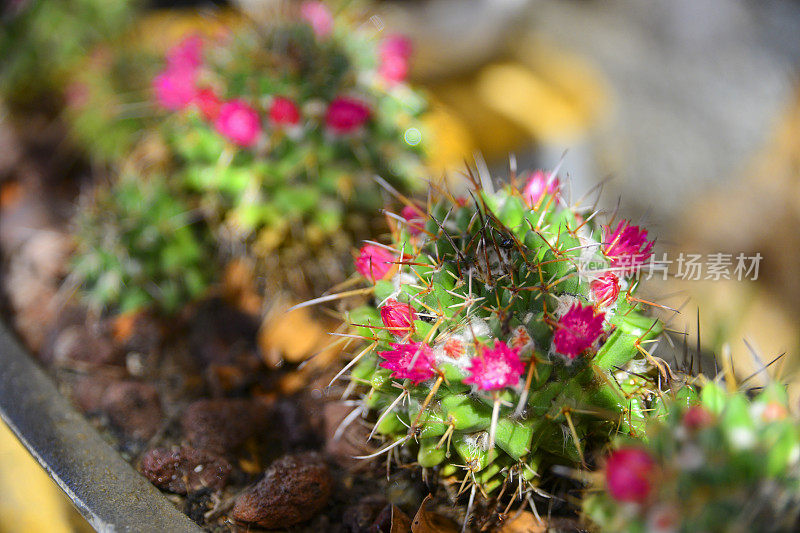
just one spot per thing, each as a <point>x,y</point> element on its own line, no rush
<point>523,522</point>
<point>293,336</point>
<point>429,522</point>
<point>239,286</point>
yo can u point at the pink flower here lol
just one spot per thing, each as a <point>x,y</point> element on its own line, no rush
<point>398,317</point>
<point>374,262</point>
<point>186,54</point>
<point>175,88</point>
<point>578,330</point>
<point>605,289</point>
<point>627,247</point>
<point>395,52</point>
<point>414,218</point>
<point>629,475</point>
<point>412,361</point>
<point>208,103</point>
<point>319,17</point>
<point>283,112</point>
<point>495,368</point>
<point>345,115</point>
<point>697,417</point>
<point>77,95</point>
<point>238,122</point>
<point>539,184</point>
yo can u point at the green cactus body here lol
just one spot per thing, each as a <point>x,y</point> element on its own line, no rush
<point>498,273</point>
<point>308,179</point>
<point>726,462</point>
<point>138,247</point>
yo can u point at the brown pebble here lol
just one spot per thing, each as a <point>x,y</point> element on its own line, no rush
<point>185,470</point>
<point>293,490</point>
<point>79,343</point>
<point>133,408</point>
<point>223,425</point>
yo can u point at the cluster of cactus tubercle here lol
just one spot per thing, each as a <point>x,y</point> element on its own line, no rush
<point>491,347</point>
<point>713,461</point>
<point>138,246</point>
<point>279,131</point>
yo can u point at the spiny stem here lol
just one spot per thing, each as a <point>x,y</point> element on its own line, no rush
<point>427,401</point>
<point>495,415</point>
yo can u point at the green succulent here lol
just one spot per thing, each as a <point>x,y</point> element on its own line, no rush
<point>503,336</point>
<point>713,461</point>
<point>138,246</point>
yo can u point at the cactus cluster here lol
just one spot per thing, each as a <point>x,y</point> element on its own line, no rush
<point>278,132</point>
<point>42,42</point>
<point>137,246</point>
<point>713,461</point>
<point>500,335</point>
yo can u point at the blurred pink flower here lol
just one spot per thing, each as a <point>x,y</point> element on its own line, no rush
<point>495,368</point>
<point>630,474</point>
<point>398,317</point>
<point>175,88</point>
<point>284,112</point>
<point>374,262</point>
<point>208,103</point>
<point>414,218</point>
<point>395,54</point>
<point>412,361</point>
<point>345,115</point>
<point>319,18</point>
<point>577,330</point>
<point>186,54</point>
<point>538,185</point>
<point>238,122</point>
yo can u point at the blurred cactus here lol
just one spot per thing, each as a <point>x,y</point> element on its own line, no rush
<point>279,131</point>
<point>41,41</point>
<point>500,324</point>
<point>137,247</point>
<point>716,461</point>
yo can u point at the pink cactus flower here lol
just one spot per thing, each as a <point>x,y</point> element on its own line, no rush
<point>415,220</point>
<point>627,247</point>
<point>319,17</point>
<point>412,361</point>
<point>374,262</point>
<point>186,54</point>
<point>398,317</point>
<point>495,368</point>
<point>239,123</point>
<point>395,53</point>
<point>577,330</point>
<point>346,115</point>
<point>630,474</point>
<point>538,185</point>
<point>175,88</point>
<point>208,103</point>
<point>284,112</point>
<point>697,417</point>
<point>605,289</point>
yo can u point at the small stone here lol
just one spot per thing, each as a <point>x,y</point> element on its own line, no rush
<point>185,470</point>
<point>292,491</point>
<point>79,344</point>
<point>223,425</point>
<point>133,408</point>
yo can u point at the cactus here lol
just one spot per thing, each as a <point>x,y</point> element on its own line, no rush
<point>717,461</point>
<point>278,133</point>
<point>41,41</point>
<point>501,327</point>
<point>137,247</point>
